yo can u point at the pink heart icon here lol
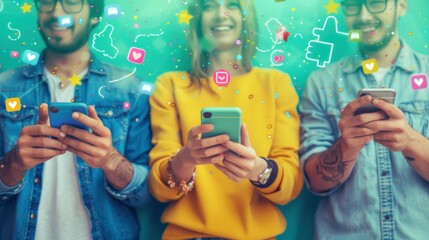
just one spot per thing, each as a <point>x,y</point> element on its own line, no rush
<point>279,59</point>
<point>14,54</point>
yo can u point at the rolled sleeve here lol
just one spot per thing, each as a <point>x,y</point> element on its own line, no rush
<point>7,192</point>
<point>137,188</point>
<point>317,127</point>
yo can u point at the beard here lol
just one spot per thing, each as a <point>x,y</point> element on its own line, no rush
<point>54,43</point>
<point>384,42</point>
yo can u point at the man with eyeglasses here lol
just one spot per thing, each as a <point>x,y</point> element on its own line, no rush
<point>371,169</point>
<point>70,183</point>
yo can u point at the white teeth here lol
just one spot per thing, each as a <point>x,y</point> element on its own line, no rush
<point>368,29</point>
<point>222,28</point>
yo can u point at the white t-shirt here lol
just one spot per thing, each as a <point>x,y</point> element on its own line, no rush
<point>380,74</point>
<point>61,214</point>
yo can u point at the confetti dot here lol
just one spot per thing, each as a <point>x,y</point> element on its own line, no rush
<point>239,57</point>
<point>340,89</point>
<point>410,34</point>
<point>269,126</point>
<point>293,9</point>
<point>137,119</point>
<point>238,41</point>
<point>136,25</point>
<point>276,95</point>
<point>235,66</point>
<point>250,96</point>
<point>237,92</point>
<point>287,114</point>
<point>269,136</point>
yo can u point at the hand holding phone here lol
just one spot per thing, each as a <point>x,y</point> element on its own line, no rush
<point>60,113</point>
<point>386,94</point>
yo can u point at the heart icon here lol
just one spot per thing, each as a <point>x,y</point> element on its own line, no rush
<point>30,57</point>
<point>369,66</point>
<point>12,104</point>
<point>419,81</point>
<point>14,54</point>
<point>278,59</point>
<point>136,55</point>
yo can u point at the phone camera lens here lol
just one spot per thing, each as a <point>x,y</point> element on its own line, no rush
<point>54,109</point>
<point>207,114</point>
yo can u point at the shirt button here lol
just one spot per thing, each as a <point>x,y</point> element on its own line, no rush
<point>4,198</point>
<point>384,173</point>
<point>32,216</point>
<point>110,113</point>
<point>36,180</point>
<point>386,217</point>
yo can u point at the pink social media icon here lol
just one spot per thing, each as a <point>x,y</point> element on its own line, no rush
<point>14,54</point>
<point>136,55</point>
<point>221,77</point>
<point>419,81</point>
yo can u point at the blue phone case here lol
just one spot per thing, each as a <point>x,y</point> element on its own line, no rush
<point>60,113</point>
<point>226,120</point>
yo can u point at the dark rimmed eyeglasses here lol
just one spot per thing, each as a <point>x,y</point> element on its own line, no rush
<point>69,6</point>
<point>354,7</point>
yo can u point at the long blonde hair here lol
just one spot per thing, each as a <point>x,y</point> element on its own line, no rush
<point>200,57</point>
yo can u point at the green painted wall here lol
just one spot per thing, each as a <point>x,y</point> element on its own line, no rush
<point>164,41</point>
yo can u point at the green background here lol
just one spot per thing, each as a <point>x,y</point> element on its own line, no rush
<point>169,52</point>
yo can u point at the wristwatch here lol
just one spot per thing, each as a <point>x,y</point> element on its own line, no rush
<point>264,176</point>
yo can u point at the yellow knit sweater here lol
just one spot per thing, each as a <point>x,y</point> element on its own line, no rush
<point>217,206</point>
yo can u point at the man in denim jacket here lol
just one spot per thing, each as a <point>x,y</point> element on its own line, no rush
<point>372,170</point>
<point>69,183</point>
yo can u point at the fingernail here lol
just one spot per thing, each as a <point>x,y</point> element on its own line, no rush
<point>64,128</point>
<point>375,101</point>
<point>63,146</point>
<point>75,115</point>
<point>62,135</point>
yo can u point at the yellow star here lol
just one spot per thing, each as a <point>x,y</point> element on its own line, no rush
<point>75,80</point>
<point>184,17</point>
<point>332,7</point>
<point>26,8</point>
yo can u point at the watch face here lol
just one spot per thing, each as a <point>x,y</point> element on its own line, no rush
<point>265,176</point>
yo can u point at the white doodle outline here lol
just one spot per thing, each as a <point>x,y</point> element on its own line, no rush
<point>13,29</point>
<point>276,41</point>
<point>272,58</point>
<point>1,5</point>
<point>332,45</point>
<point>116,80</point>
<point>298,34</point>
<point>149,35</point>
<point>111,42</point>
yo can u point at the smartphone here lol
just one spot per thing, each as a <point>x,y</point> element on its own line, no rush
<point>386,94</point>
<point>226,120</point>
<point>60,113</point>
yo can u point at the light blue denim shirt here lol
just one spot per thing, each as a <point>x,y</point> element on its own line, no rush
<point>384,198</point>
<point>111,212</point>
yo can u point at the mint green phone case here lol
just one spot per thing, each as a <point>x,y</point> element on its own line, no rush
<point>226,120</point>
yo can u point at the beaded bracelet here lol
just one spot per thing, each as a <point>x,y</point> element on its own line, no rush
<point>183,186</point>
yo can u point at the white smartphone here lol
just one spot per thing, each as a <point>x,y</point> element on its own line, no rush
<point>386,94</point>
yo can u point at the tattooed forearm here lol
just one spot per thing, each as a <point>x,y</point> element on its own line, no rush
<point>331,164</point>
<point>122,173</point>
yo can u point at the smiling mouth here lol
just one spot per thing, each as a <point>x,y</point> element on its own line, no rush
<point>221,28</point>
<point>368,28</point>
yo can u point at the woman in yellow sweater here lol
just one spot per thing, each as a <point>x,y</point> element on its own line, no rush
<point>212,192</point>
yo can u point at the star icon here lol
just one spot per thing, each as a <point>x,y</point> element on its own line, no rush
<point>184,17</point>
<point>26,8</point>
<point>283,34</point>
<point>75,80</point>
<point>332,7</point>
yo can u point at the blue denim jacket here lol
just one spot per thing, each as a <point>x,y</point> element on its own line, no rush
<point>111,212</point>
<point>384,198</point>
